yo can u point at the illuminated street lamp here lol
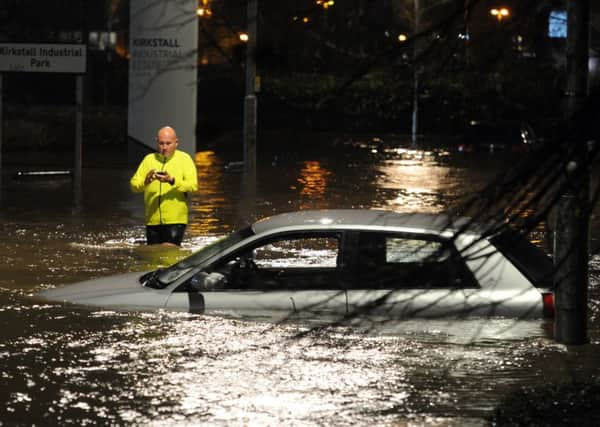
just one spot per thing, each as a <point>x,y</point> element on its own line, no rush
<point>500,13</point>
<point>204,10</point>
<point>402,38</point>
<point>304,20</point>
<point>244,37</point>
<point>326,4</point>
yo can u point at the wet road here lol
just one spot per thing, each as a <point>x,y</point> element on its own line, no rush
<point>75,365</point>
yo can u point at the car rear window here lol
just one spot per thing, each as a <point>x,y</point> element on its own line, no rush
<point>405,250</point>
<point>528,258</point>
<point>408,261</point>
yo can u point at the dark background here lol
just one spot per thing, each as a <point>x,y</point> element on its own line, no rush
<point>340,68</point>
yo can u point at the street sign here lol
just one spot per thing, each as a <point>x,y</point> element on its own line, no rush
<point>43,58</point>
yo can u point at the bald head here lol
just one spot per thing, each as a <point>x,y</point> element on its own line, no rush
<point>166,130</point>
<point>167,141</point>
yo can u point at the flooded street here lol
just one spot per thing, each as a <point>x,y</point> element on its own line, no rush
<point>76,365</point>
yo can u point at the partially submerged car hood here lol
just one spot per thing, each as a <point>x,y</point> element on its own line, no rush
<point>122,290</point>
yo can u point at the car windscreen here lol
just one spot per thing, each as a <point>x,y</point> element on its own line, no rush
<point>528,258</point>
<point>172,273</point>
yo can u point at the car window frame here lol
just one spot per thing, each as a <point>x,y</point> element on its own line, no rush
<point>167,276</point>
<point>243,252</point>
<point>470,282</point>
<point>528,258</point>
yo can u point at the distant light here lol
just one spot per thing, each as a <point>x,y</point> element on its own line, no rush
<point>304,19</point>
<point>204,12</point>
<point>325,3</point>
<point>500,13</point>
<point>244,37</point>
<point>102,40</point>
<point>402,37</point>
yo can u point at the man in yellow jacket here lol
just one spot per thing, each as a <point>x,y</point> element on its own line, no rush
<point>165,178</point>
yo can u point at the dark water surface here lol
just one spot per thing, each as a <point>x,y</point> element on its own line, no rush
<point>77,365</point>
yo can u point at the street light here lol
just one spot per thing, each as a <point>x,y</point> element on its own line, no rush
<point>204,10</point>
<point>325,4</point>
<point>500,13</point>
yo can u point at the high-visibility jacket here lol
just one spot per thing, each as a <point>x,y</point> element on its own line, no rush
<point>165,203</point>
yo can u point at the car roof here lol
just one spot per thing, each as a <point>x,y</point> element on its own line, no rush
<point>363,218</point>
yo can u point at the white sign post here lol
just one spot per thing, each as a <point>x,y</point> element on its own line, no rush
<point>48,58</point>
<point>163,70</point>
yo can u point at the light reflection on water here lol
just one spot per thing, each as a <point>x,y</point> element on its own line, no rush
<point>176,368</point>
<point>69,365</point>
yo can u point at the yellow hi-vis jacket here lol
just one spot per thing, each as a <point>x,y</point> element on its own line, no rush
<point>165,203</point>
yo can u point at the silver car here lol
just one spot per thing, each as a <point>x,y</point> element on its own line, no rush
<point>342,262</point>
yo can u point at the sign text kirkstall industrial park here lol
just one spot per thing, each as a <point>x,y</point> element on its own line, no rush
<point>52,58</point>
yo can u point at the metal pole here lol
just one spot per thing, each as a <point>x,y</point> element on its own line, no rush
<point>78,161</point>
<point>466,18</point>
<point>415,112</point>
<point>1,129</point>
<point>250,100</point>
<point>571,240</point>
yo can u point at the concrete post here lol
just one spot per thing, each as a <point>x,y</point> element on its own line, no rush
<point>78,158</point>
<point>1,129</point>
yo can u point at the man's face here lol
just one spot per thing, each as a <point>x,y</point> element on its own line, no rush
<point>167,142</point>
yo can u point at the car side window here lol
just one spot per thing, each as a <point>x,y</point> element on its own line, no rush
<point>294,261</point>
<point>405,261</point>
<point>298,252</point>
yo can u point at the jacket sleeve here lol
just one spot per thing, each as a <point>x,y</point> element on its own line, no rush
<point>189,183</point>
<point>137,181</point>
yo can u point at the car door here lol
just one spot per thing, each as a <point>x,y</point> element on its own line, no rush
<point>404,274</point>
<point>293,273</point>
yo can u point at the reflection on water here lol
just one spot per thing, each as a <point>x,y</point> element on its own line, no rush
<point>210,196</point>
<point>313,182</point>
<point>417,185</point>
<point>72,365</point>
<point>181,369</point>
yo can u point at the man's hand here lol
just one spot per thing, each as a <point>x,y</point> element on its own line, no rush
<point>163,176</point>
<point>150,176</point>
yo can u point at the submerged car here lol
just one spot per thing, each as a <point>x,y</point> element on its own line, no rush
<point>486,136</point>
<point>342,262</point>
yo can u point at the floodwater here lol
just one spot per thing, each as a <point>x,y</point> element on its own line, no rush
<point>64,365</point>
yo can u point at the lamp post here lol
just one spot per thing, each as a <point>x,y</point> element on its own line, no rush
<point>416,71</point>
<point>250,98</point>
